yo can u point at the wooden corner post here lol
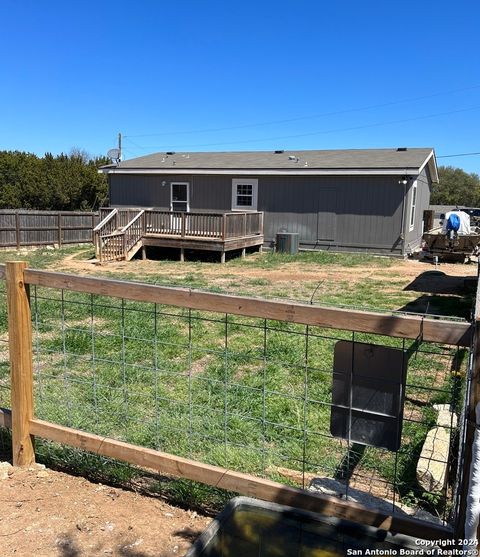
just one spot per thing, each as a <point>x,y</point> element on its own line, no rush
<point>470,423</point>
<point>21,366</point>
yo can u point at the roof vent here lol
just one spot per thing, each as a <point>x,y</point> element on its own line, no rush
<point>170,153</point>
<point>401,148</point>
<point>279,151</point>
<point>292,158</point>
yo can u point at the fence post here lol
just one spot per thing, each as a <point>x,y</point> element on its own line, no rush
<point>17,229</point>
<point>21,367</point>
<point>470,423</point>
<point>59,230</point>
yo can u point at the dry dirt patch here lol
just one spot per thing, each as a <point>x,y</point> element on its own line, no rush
<point>407,270</point>
<point>46,513</point>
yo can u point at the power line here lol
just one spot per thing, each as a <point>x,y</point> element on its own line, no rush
<point>308,117</point>
<point>458,155</point>
<point>307,134</point>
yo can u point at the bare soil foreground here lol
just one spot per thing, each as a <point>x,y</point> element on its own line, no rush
<point>46,513</point>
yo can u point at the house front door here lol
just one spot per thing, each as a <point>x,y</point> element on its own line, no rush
<point>179,198</point>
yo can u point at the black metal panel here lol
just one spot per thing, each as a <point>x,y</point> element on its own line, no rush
<point>368,393</point>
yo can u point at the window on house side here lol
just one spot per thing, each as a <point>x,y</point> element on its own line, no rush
<point>244,194</point>
<point>413,205</point>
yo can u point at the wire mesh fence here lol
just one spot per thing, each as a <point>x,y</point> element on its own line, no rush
<point>248,394</point>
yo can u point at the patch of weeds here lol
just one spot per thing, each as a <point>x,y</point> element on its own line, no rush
<point>80,463</point>
<point>258,282</point>
<point>193,495</point>
<point>273,260</point>
<point>195,280</point>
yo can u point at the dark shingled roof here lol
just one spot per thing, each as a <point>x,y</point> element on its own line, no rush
<point>348,159</point>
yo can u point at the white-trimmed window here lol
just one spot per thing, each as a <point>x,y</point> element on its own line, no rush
<point>244,194</point>
<point>413,204</point>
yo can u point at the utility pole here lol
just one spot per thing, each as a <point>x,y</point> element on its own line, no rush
<point>119,146</point>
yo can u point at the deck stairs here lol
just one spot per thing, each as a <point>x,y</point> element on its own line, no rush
<point>118,236</point>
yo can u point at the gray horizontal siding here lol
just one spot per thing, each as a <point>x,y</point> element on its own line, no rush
<point>413,237</point>
<point>328,211</point>
<point>141,190</point>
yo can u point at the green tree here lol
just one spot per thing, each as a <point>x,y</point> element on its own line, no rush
<point>62,182</point>
<point>456,187</point>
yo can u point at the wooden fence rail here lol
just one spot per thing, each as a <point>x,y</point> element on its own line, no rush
<point>25,425</point>
<point>36,228</point>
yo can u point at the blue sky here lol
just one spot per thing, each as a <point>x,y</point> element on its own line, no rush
<point>199,76</point>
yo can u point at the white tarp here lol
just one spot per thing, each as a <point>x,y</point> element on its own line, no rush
<point>464,222</point>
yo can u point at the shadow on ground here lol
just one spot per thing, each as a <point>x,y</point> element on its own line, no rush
<point>68,547</point>
<point>450,296</point>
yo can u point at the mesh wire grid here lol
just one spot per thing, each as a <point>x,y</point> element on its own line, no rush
<point>248,394</point>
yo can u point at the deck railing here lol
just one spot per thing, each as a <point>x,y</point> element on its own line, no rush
<point>133,231</point>
<point>238,225</point>
<point>120,229</point>
<point>221,226</point>
<point>117,233</point>
<point>122,216</point>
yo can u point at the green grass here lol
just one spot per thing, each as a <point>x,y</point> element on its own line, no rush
<point>226,392</point>
<point>273,260</point>
<point>42,258</point>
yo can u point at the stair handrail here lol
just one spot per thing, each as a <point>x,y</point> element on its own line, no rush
<point>135,218</point>
<point>102,223</point>
<point>130,235</point>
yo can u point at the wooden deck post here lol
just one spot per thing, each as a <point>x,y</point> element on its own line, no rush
<point>224,227</point>
<point>222,257</point>
<point>183,225</point>
<point>21,367</point>
<point>182,255</point>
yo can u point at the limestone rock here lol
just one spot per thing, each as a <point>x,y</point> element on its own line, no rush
<point>445,418</point>
<point>335,488</point>
<point>6,469</point>
<point>432,464</point>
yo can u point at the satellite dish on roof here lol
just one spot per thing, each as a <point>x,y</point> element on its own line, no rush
<point>114,154</point>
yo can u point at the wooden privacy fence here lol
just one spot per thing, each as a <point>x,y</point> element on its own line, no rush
<point>25,425</point>
<point>36,228</point>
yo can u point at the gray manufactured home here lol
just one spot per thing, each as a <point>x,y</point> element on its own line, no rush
<point>341,200</point>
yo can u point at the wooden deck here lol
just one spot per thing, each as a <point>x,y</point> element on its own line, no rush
<point>123,232</point>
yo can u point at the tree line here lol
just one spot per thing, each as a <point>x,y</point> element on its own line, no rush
<point>456,187</point>
<point>65,182</point>
<point>72,182</point>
